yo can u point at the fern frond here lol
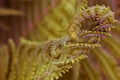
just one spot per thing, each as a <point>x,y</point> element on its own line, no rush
<point>4,60</point>
<point>115,47</point>
<point>14,57</point>
<point>81,5</point>
<point>76,71</point>
<point>108,64</point>
<point>37,62</point>
<point>48,60</point>
<point>90,70</point>
<point>58,20</point>
<point>57,56</point>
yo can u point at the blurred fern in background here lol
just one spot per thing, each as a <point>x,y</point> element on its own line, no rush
<point>51,47</point>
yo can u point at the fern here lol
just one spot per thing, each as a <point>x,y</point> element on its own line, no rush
<point>58,20</point>
<point>4,60</point>
<point>32,60</point>
<point>47,60</point>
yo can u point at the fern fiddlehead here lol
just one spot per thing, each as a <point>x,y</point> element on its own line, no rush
<point>93,21</point>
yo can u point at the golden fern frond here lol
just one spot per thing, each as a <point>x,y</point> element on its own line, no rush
<point>81,5</point>
<point>108,64</point>
<point>88,32</point>
<point>42,61</point>
<point>46,61</point>
<point>4,61</point>
<point>57,21</point>
<point>89,70</point>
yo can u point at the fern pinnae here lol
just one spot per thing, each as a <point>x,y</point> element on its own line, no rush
<point>108,64</point>
<point>69,7</point>
<point>13,69</point>
<point>52,23</point>
<point>39,59</point>
<point>90,70</point>
<point>24,61</point>
<point>4,59</point>
<point>31,62</point>
<point>115,47</point>
<point>45,31</point>
<point>62,10</point>
<point>60,15</point>
<point>76,71</point>
<point>22,69</point>
<point>46,50</point>
<point>81,5</point>
<point>27,61</point>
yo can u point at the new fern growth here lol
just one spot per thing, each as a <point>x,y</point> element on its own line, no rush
<point>93,21</point>
<point>48,60</point>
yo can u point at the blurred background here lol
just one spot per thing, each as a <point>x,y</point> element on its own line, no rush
<point>19,17</point>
